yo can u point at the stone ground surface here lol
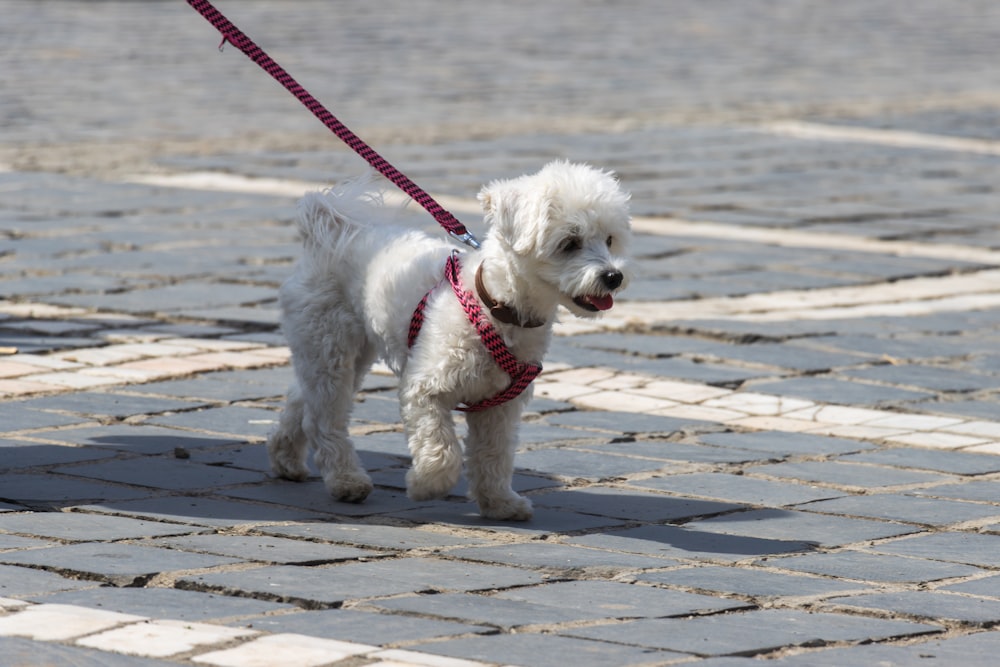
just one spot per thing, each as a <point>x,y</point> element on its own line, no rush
<point>781,447</point>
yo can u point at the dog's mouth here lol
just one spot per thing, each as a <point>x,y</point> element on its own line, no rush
<point>594,302</point>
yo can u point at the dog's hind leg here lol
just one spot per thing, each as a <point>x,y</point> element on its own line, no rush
<point>489,451</point>
<point>327,410</point>
<point>287,446</point>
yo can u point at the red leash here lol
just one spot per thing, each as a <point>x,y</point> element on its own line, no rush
<point>234,36</point>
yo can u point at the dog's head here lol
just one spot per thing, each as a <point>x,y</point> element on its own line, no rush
<point>569,226</point>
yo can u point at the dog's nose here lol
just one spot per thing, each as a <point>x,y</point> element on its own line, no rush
<point>612,279</point>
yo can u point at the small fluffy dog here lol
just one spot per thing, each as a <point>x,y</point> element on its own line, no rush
<point>559,236</point>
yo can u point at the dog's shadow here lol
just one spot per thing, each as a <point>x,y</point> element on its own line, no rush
<point>212,482</point>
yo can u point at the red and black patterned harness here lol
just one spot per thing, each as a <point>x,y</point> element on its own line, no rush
<point>521,374</point>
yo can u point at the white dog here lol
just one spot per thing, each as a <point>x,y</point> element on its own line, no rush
<point>556,237</point>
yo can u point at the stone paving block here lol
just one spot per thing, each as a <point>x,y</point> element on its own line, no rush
<point>925,377</point>
<point>53,622</point>
<point>985,587</point>
<point>961,463</point>
<point>620,600</point>
<point>547,651</point>
<point>377,409</point>
<point>172,603</point>
<point>373,535</point>
<point>26,652</point>
<point>487,610</point>
<point>842,392</point>
<point>20,454</point>
<point>788,524</point>
<point>930,605</point>
<point>683,543</point>
<point>980,491</point>
<point>283,648</point>
<point>667,450</point>
<point>202,511</point>
<point>752,631</point>
<point>77,526</point>
<point>624,422</point>
<point>18,416</point>
<point>868,566</point>
<point>365,627</point>
<point>160,472</point>
<point>557,557</point>
<point>544,521</point>
<point>898,507</point>
<point>231,420</point>
<point>120,563</point>
<point>628,504</point>
<point>25,581</point>
<point>747,581</point>
<point>313,496</point>
<point>138,439</point>
<point>330,585</point>
<point>738,489</point>
<point>265,549</point>
<point>55,491</point>
<point>585,465</point>
<point>785,444</point>
<point>855,475</point>
<point>162,638</point>
<point>536,433</point>
<point>224,385</point>
<point>975,650</point>
<point>100,404</point>
<point>17,542</point>
<point>968,548</point>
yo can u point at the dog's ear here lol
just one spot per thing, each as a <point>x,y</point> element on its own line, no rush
<point>501,204</point>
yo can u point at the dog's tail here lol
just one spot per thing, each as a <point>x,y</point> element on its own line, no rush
<point>331,218</point>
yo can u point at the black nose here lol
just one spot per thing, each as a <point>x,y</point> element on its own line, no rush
<point>612,279</point>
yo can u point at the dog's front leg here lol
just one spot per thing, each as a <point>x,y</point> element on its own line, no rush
<point>436,451</point>
<point>489,451</point>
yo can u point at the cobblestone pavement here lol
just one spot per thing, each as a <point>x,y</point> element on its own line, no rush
<point>781,447</point>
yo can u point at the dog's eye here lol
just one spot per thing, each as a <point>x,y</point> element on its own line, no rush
<point>610,241</point>
<point>570,245</point>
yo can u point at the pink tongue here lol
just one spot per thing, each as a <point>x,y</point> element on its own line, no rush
<point>601,302</point>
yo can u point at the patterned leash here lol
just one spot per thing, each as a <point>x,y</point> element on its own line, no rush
<point>235,36</point>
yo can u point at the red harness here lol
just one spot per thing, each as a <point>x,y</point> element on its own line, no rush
<point>521,374</point>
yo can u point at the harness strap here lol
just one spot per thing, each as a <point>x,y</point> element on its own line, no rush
<point>521,374</point>
<point>233,35</point>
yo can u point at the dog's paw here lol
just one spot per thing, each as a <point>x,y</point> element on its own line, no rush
<point>506,508</point>
<point>293,470</point>
<point>351,487</point>
<point>429,487</point>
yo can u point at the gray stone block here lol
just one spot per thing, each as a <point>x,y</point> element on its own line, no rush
<point>629,504</point>
<point>827,531</point>
<point>77,526</point>
<point>620,600</point>
<point>373,535</point>
<point>122,564</point>
<point>749,581</point>
<point>19,454</point>
<point>202,511</point>
<point>846,474</point>
<point>931,605</point>
<point>749,632</point>
<point>136,439</point>
<point>911,509</point>
<point>163,473</point>
<point>785,444</point>
<point>868,566</point>
<point>968,548</point>
<point>265,549</point>
<point>171,603</point>
<point>364,627</point>
<point>557,557</point>
<point>547,651</point>
<point>737,489</point>
<point>23,582</point>
<point>18,651</point>
<point>683,543</point>
<point>961,463</point>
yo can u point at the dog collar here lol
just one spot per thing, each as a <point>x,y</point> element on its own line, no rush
<point>501,312</point>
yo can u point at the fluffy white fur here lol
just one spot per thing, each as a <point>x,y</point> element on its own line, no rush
<point>559,236</point>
